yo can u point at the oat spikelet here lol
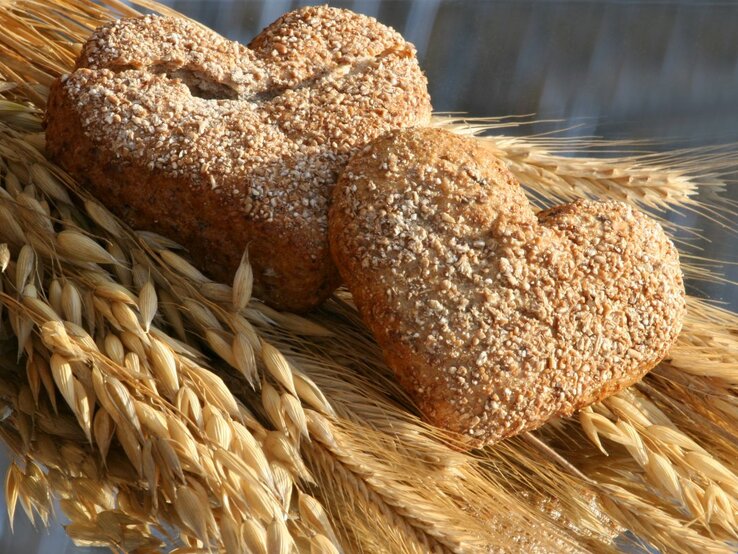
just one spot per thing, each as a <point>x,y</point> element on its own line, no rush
<point>4,257</point>
<point>243,283</point>
<point>79,246</point>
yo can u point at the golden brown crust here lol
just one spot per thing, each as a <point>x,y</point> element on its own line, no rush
<point>220,146</point>
<point>494,318</point>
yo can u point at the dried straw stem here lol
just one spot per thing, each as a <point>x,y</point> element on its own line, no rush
<point>559,170</point>
<point>356,489</point>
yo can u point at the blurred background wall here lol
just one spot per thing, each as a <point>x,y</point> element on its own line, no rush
<point>629,68</point>
<point>660,70</point>
<point>665,71</point>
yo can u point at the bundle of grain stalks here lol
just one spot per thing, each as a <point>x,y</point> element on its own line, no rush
<point>162,409</point>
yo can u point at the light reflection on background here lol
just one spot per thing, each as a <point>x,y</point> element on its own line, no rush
<point>619,69</point>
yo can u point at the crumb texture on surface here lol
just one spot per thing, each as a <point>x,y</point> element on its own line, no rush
<point>218,145</point>
<point>493,317</point>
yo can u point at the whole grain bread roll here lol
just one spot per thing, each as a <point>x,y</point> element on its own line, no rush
<point>493,317</point>
<point>220,146</point>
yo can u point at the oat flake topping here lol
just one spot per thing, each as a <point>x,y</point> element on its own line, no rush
<point>496,318</point>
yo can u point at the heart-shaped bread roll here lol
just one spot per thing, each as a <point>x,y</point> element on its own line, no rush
<point>494,318</point>
<point>218,146</point>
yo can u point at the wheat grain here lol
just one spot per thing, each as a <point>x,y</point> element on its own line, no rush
<point>78,246</point>
<point>147,304</point>
<point>292,409</point>
<point>203,316</point>
<point>711,468</point>
<point>214,390</point>
<point>254,537</point>
<point>12,489</point>
<point>70,303</point>
<point>103,432</point>
<point>24,266</point>
<point>219,293</point>
<point>272,403</point>
<point>278,366</point>
<point>61,370</point>
<point>662,472</point>
<point>190,508</point>
<point>634,442</point>
<point>179,264</point>
<point>278,539</point>
<point>217,428</point>
<point>39,307</point>
<point>9,227</point>
<point>281,448</point>
<point>4,257</point>
<point>243,283</point>
<point>83,408</point>
<point>321,545</point>
<point>164,367</point>
<point>244,358</point>
<point>252,454</point>
<point>102,217</point>
<point>668,470</point>
<point>290,322</point>
<point>113,348</point>
<point>40,175</point>
<point>34,213</point>
<point>188,403</point>
<point>221,346</point>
